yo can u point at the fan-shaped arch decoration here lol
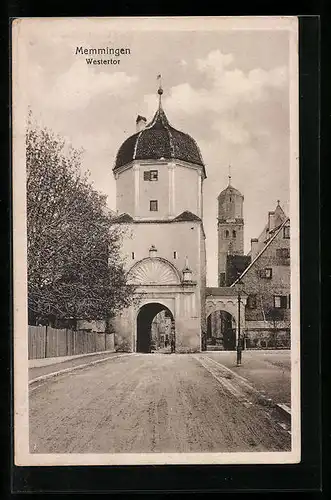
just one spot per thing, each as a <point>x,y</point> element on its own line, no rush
<point>153,271</point>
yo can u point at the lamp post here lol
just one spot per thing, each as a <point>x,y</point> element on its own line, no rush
<point>239,346</point>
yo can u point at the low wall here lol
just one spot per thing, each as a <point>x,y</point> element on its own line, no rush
<point>258,338</point>
<point>47,342</point>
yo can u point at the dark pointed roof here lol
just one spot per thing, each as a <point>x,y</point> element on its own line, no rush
<point>187,216</point>
<point>159,140</point>
<point>123,218</point>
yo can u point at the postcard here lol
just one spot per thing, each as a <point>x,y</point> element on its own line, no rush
<point>156,240</point>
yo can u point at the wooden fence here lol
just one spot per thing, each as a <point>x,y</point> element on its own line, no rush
<point>46,342</point>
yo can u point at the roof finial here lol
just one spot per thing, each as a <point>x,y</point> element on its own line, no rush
<point>229,175</point>
<point>160,89</point>
<point>278,203</point>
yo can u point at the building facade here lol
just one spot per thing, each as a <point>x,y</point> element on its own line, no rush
<point>267,283</point>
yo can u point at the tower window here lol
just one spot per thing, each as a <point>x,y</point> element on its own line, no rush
<point>234,234</point>
<point>175,255</point>
<point>132,255</point>
<point>153,206</point>
<point>151,175</point>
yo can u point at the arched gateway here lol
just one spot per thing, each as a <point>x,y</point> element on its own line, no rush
<point>160,286</point>
<point>146,341</point>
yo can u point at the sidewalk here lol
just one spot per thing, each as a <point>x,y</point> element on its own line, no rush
<point>45,366</point>
<point>268,371</point>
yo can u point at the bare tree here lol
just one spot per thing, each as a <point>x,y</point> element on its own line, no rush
<point>74,264</point>
<point>275,317</point>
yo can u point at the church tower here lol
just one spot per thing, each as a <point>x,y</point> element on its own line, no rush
<point>230,228</point>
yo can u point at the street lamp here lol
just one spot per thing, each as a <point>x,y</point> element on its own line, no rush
<point>239,346</point>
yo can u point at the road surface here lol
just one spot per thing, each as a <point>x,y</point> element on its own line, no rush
<point>153,403</point>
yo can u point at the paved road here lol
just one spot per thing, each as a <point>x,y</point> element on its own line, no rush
<point>152,403</point>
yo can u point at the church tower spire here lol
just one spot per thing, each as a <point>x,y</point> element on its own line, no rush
<point>160,90</point>
<point>230,228</point>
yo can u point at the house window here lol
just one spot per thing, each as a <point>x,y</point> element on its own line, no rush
<point>283,253</point>
<point>151,175</point>
<point>286,232</point>
<point>153,206</point>
<point>251,301</point>
<point>266,273</point>
<point>175,255</point>
<point>234,234</point>
<point>132,255</point>
<point>280,301</point>
<point>226,233</point>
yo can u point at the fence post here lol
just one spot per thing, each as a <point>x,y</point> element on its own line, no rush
<point>105,341</point>
<point>46,341</point>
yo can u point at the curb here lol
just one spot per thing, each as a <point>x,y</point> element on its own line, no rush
<point>73,368</point>
<point>284,410</point>
<point>55,360</point>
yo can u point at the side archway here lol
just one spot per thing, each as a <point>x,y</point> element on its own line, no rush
<point>221,330</point>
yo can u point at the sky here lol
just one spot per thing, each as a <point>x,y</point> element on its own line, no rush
<point>227,88</point>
